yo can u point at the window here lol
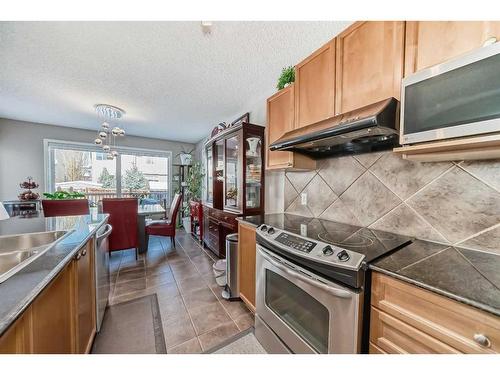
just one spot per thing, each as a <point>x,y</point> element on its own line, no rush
<point>140,173</point>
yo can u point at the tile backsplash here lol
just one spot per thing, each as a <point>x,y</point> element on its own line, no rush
<point>447,202</point>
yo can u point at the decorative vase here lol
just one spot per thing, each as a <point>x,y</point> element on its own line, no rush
<point>253,143</point>
<point>186,159</point>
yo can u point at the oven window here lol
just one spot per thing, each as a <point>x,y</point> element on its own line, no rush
<point>300,311</point>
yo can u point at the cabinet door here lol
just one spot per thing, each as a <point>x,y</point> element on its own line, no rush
<point>280,119</point>
<point>85,297</point>
<point>18,337</point>
<point>369,64</point>
<point>53,316</point>
<point>432,42</point>
<point>233,181</point>
<point>315,86</point>
<point>246,250</point>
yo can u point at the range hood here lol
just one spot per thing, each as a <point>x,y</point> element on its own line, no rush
<point>368,129</point>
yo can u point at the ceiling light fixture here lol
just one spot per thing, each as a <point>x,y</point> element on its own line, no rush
<point>106,136</point>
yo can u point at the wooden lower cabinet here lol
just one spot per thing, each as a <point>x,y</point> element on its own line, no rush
<point>61,320</point>
<point>247,254</point>
<point>408,319</point>
<point>85,286</point>
<point>53,316</point>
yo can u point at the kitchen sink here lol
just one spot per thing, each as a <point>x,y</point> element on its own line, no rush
<point>17,251</point>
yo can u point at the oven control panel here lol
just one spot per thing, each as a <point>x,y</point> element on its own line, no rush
<point>295,242</point>
<point>310,249</point>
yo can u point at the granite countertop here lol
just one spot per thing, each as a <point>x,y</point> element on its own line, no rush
<point>269,219</point>
<point>466,275</point>
<point>17,292</point>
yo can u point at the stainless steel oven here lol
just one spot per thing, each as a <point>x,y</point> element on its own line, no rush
<point>301,312</point>
<point>457,98</point>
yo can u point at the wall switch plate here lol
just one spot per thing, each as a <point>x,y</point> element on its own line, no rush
<point>303,199</point>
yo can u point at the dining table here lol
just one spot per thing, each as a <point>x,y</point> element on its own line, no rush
<point>144,211</point>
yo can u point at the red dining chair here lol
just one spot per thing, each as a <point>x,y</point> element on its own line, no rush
<point>123,218</point>
<point>165,227</point>
<point>65,207</point>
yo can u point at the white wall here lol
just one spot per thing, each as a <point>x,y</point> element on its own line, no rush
<point>21,150</point>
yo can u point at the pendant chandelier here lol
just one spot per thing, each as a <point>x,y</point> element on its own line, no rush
<point>107,134</point>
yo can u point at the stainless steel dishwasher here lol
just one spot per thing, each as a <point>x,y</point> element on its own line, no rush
<point>102,279</point>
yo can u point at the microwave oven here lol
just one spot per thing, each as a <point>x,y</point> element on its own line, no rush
<point>458,98</point>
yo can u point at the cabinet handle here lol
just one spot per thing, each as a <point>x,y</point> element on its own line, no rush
<point>78,256</point>
<point>482,340</point>
<point>84,252</point>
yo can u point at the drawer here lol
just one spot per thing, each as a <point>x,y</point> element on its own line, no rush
<point>451,322</point>
<point>374,349</point>
<point>393,336</point>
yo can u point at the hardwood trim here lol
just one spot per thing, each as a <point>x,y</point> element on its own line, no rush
<point>446,320</point>
<point>467,148</point>
<point>410,50</point>
<point>374,349</point>
<point>247,302</point>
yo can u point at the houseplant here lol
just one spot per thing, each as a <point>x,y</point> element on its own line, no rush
<point>186,156</point>
<point>61,194</point>
<point>286,78</point>
<point>193,192</point>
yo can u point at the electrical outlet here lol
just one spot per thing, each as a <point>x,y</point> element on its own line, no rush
<point>303,230</point>
<point>303,199</point>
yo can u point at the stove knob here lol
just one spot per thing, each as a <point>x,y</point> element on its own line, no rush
<point>343,256</point>
<point>263,228</point>
<point>270,230</point>
<point>327,250</point>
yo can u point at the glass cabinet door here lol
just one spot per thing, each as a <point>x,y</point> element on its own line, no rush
<point>210,175</point>
<point>253,171</point>
<point>232,198</point>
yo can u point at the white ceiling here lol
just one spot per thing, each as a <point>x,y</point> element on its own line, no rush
<point>173,81</point>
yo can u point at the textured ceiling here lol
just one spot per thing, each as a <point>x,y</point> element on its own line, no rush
<point>174,81</point>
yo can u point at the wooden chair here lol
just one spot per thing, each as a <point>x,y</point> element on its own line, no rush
<point>123,218</point>
<point>165,227</point>
<point>65,207</point>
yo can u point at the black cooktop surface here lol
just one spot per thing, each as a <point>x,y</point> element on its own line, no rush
<point>372,243</point>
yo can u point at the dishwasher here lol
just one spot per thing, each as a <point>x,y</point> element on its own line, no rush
<point>102,278</point>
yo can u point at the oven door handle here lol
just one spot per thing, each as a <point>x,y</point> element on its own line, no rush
<point>334,291</point>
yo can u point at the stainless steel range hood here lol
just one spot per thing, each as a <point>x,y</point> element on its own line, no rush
<point>368,129</point>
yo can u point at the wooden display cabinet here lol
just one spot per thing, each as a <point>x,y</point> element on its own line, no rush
<point>235,182</point>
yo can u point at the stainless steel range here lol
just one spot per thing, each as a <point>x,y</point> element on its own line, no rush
<point>312,284</point>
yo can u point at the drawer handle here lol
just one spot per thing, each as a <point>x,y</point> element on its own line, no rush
<point>482,340</point>
<point>78,256</point>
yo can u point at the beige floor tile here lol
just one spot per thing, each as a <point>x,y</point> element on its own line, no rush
<point>190,284</point>
<point>178,332</point>
<point>208,317</point>
<point>245,321</point>
<point>166,292</point>
<point>160,279</point>
<point>189,347</point>
<point>218,335</point>
<point>199,298</point>
<point>129,287</point>
<point>234,308</point>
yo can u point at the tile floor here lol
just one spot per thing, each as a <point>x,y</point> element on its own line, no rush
<point>195,317</point>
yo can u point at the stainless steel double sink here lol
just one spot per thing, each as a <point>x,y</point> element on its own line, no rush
<point>17,251</point>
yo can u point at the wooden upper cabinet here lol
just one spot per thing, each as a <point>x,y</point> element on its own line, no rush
<point>432,42</point>
<point>369,63</point>
<point>280,119</point>
<point>315,86</point>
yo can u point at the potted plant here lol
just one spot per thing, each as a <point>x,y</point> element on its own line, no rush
<point>61,194</point>
<point>286,78</point>
<point>193,192</point>
<point>186,157</point>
